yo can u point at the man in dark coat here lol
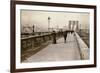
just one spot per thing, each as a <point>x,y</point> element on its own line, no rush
<point>65,35</point>
<point>54,37</point>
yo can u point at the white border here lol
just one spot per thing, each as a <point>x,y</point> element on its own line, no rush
<point>52,64</point>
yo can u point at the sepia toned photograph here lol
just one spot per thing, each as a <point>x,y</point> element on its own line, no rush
<point>54,36</point>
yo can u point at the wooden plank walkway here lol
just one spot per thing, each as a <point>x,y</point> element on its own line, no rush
<point>58,52</point>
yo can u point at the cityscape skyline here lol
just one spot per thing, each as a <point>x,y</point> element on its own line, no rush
<point>57,20</point>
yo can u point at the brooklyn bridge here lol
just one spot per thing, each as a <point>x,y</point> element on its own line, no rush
<point>52,46</point>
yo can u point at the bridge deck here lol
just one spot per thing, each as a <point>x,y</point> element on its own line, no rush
<point>58,52</point>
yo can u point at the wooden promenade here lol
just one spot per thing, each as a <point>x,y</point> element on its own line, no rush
<point>60,51</point>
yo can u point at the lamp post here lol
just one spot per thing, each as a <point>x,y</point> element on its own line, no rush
<point>49,24</point>
<point>33,29</point>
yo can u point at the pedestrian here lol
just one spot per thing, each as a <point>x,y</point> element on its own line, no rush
<point>72,32</point>
<point>65,36</point>
<point>54,37</point>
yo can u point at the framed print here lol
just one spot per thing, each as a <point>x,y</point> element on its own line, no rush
<point>51,36</point>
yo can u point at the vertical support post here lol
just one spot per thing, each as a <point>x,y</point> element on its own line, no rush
<point>69,25</point>
<point>77,27</point>
<point>73,25</point>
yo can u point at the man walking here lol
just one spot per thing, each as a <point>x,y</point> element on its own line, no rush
<point>54,37</point>
<point>65,36</point>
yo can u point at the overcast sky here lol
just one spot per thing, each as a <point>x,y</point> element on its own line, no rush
<point>40,19</point>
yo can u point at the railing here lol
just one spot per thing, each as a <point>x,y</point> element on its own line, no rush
<point>31,43</point>
<point>34,41</point>
<point>84,50</point>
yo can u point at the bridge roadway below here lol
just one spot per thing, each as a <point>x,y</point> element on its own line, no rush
<point>58,52</point>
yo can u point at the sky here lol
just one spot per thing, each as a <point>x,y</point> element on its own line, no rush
<point>58,19</point>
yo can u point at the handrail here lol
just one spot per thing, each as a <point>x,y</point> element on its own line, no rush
<point>34,36</point>
<point>84,50</point>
